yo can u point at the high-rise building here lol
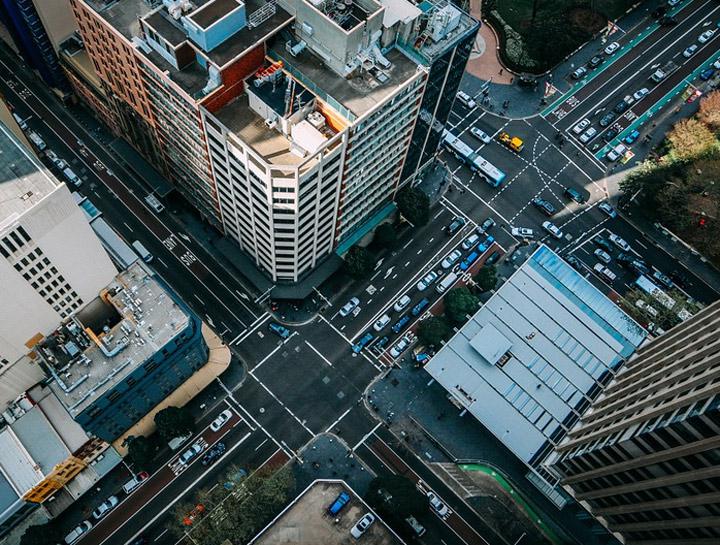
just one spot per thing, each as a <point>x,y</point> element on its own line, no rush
<point>645,458</point>
<point>290,125</point>
<point>51,262</point>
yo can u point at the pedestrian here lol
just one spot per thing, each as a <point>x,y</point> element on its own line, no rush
<point>501,72</point>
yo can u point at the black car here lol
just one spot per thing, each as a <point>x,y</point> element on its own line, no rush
<point>624,259</point>
<point>213,454</point>
<point>455,226</point>
<point>663,279</point>
<point>639,266</point>
<point>607,119</point>
<point>679,278</point>
<point>668,20</point>
<point>575,195</point>
<point>544,206</point>
<point>603,243</point>
<point>381,344</point>
<point>485,226</point>
<point>621,106</point>
<point>575,263</point>
<point>609,135</point>
<point>659,12</point>
<point>596,61</point>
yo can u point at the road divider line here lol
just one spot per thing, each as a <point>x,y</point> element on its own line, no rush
<point>319,354</point>
<point>343,415</point>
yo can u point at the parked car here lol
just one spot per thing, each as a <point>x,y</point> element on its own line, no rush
<point>607,119</point>
<point>349,306</point>
<point>575,195</point>
<point>427,281</point>
<point>480,135</point>
<point>630,138</point>
<point>221,420</point>
<point>279,330</point>
<point>522,232</point>
<point>455,226</point>
<point>603,243</point>
<point>707,74</point>
<point>619,242</point>
<point>364,340</point>
<point>105,507</point>
<point>470,241</point>
<point>580,127</point>
<point>136,481</point>
<point>77,532</point>
<point>362,525</point>
<point>420,307</point>
<point>544,206</point>
<point>588,135</point>
<point>575,263</point>
<point>637,95</point>
<point>596,61</point>
<point>607,209</point>
<point>213,454</point>
<point>609,134</point>
<point>616,153</point>
<point>437,505</point>
<point>611,48</point>
<point>621,106</point>
<point>485,226</point>
<point>579,73</point>
<point>399,347</point>
<point>663,279</point>
<point>604,272</point>
<point>639,266</point>
<point>452,258</point>
<point>400,324</point>
<point>466,99</point>
<point>401,303</point>
<point>380,344</point>
<point>339,504</point>
<point>690,51</point>
<point>381,322</point>
<point>602,255</point>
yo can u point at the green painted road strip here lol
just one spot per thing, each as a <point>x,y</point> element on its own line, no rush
<point>659,105</point>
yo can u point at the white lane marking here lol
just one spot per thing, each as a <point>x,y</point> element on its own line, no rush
<point>319,354</point>
<point>343,415</point>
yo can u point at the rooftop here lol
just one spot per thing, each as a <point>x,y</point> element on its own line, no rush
<point>537,352</point>
<point>132,319</point>
<point>306,522</point>
<point>24,181</point>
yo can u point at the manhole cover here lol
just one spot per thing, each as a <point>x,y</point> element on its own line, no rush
<point>262,410</point>
<point>326,380</point>
<point>341,394</point>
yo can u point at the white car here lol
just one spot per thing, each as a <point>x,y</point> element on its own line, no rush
<point>452,258</point>
<point>470,241</point>
<point>438,506</point>
<point>607,209</point>
<point>466,99</point>
<point>401,303</point>
<point>190,453</point>
<point>619,242</point>
<point>637,95</point>
<point>611,48</point>
<point>716,64</point>
<point>705,36</point>
<point>349,306</point>
<point>480,135</point>
<point>427,280</point>
<point>221,420</point>
<point>690,51</point>
<point>522,232</point>
<point>603,256</point>
<point>580,127</point>
<point>616,153</point>
<point>400,347</point>
<point>362,525</point>
<point>381,322</point>
<point>588,135</point>
<point>78,531</point>
<point>603,271</point>
<point>553,229</point>
<point>105,507</point>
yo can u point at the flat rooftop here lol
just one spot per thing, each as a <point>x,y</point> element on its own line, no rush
<point>131,321</point>
<point>306,522</point>
<point>24,181</point>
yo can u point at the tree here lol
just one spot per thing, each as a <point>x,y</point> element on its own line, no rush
<point>395,497</point>
<point>141,451</point>
<point>174,422</point>
<point>459,302</point>
<point>486,278</point>
<point>709,112</point>
<point>414,205</point>
<point>432,331</point>
<point>690,138</point>
<point>42,534</point>
<point>358,262</point>
<point>385,235</point>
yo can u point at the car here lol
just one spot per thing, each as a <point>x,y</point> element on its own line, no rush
<point>221,420</point>
<point>669,20</point>
<point>400,324</point>
<point>705,36</point>
<point>588,135</point>
<point>349,306</point>
<point>455,225</point>
<point>679,278</point>
<point>619,242</point>
<point>602,255</point>
<point>399,347</point>
<point>673,3</point>
<point>579,73</point>
<point>417,309</point>
<point>381,322</point>
<point>575,195</point>
<point>427,281</point>
<point>637,95</point>
<point>380,344</point>
<point>279,330</point>
<point>362,525</point>
<point>604,272</point>
<point>690,51</point>
<point>189,454</point>
<point>136,481</point>
<point>470,241</point>
<point>452,258</point>
<point>485,226</point>
<point>716,64</point>
<point>611,48</point>
<point>338,504</point>
<point>492,259</point>
<point>364,340</point>
<point>77,532</point>
<point>580,127</point>
<point>469,260</point>
<point>544,206</point>
<point>707,74</point>
<point>522,232</point>
<point>401,303</point>
<point>480,135</point>
<point>553,229</point>
<point>213,454</point>
<point>609,134</point>
<point>630,138</point>
<point>607,209</point>
<point>575,263</point>
<point>616,153</point>
<point>596,61</point>
<point>437,505</point>
<point>663,279</point>
<point>466,99</point>
<point>603,243</point>
<point>607,119</point>
<point>105,507</point>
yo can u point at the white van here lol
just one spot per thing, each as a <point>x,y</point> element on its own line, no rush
<point>35,139</point>
<point>448,281</point>
<point>71,177</point>
<point>466,99</point>
<point>153,202</point>
<point>142,251</point>
<point>603,271</point>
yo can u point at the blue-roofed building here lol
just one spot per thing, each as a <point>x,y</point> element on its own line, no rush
<point>528,364</point>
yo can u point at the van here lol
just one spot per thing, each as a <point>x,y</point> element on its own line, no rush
<point>71,177</point>
<point>448,281</point>
<point>20,121</point>
<point>418,528</point>
<point>146,256</point>
<point>153,202</point>
<point>35,139</point>
<point>340,502</point>
<point>466,100</point>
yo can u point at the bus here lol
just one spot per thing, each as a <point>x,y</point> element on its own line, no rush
<point>487,171</point>
<point>646,285</point>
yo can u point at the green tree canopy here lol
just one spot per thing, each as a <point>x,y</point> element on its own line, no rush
<point>395,497</point>
<point>359,262</point>
<point>432,331</point>
<point>385,235</point>
<point>141,451</point>
<point>174,422</point>
<point>459,302</point>
<point>486,278</point>
<point>42,534</point>
<point>414,205</point>
<point>690,138</point>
